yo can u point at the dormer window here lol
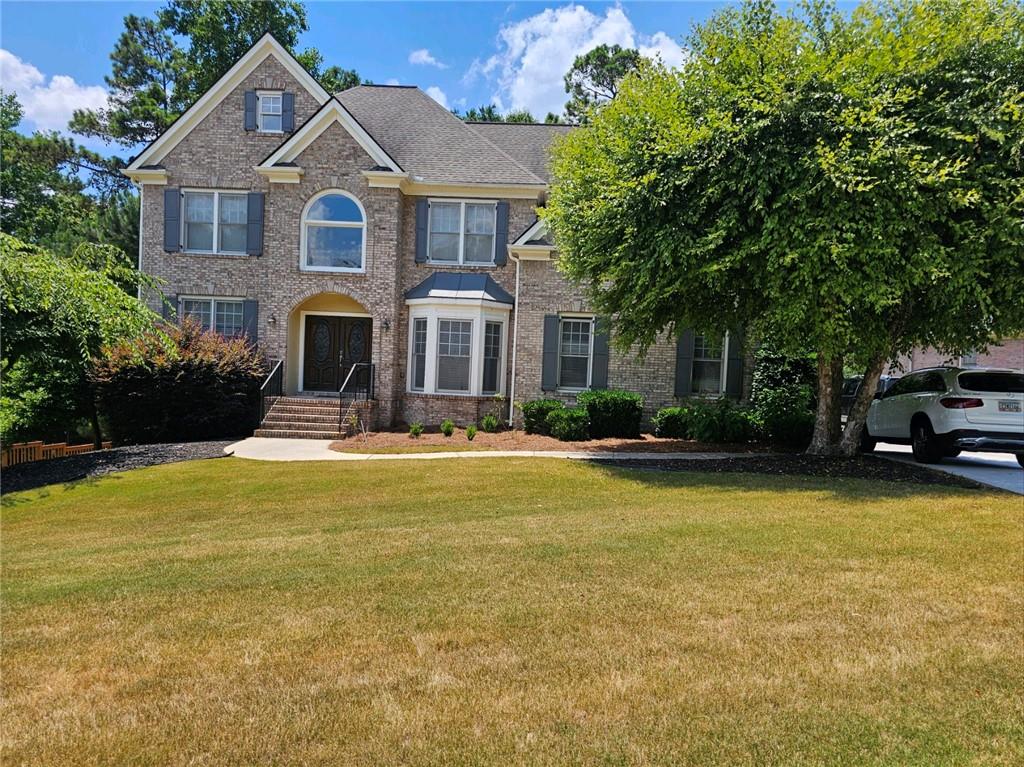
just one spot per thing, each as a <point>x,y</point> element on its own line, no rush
<point>269,112</point>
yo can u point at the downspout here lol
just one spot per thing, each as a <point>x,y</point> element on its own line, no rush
<point>515,346</point>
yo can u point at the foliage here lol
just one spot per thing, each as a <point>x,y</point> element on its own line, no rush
<point>852,182</point>
<point>447,427</point>
<point>58,313</point>
<point>415,429</point>
<point>569,424</point>
<point>673,422</point>
<point>490,114</point>
<point>719,421</point>
<point>178,384</point>
<point>782,398</point>
<point>594,78</point>
<point>490,423</point>
<point>613,413</point>
<point>471,431</point>
<point>535,414</point>
<point>163,64</point>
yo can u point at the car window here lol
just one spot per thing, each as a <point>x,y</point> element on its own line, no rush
<point>993,382</point>
<point>850,386</point>
<point>932,382</point>
<point>906,385</point>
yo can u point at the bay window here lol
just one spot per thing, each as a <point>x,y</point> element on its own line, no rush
<point>419,354</point>
<point>457,350</point>
<point>454,342</point>
<point>461,232</point>
<point>492,357</point>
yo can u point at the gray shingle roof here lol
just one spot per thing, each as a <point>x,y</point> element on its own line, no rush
<point>464,287</point>
<point>528,144</point>
<point>428,141</point>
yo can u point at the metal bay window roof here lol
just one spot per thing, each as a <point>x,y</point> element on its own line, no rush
<point>460,287</point>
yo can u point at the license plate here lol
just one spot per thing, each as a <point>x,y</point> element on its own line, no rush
<point>1008,406</point>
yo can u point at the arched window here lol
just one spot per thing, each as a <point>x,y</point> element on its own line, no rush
<point>334,233</point>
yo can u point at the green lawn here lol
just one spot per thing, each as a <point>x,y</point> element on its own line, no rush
<point>508,612</point>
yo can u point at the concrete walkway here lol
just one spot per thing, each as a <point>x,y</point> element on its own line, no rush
<point>996,469</point>
<point>273,449</point>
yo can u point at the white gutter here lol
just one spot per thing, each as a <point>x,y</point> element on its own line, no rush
<point>515,346</point>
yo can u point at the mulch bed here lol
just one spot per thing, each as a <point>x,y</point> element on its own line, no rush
<point>520,440</point>
<point>26,476</point>
<point>863,467</point>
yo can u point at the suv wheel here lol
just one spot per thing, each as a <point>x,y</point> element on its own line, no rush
<point>927,448</point>
<point>867,442</point>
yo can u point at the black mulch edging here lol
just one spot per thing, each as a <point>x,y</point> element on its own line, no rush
<point>863,467</point>
<point>26,476</point>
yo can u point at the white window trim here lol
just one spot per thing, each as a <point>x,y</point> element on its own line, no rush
<point>721,377</point>
<point>462,231</point>
<point>590,353</point>
<point>213,301</point>
<point>304,224</point>
<point>412,354</point>
<point>478,316</point>
<point>473,332</point>
<point>216,221</point>
<point>259,112</point>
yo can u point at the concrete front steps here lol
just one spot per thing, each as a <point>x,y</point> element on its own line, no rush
<point>315,418</point>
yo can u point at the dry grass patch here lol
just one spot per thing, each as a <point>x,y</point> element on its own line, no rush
<point>508,611</point>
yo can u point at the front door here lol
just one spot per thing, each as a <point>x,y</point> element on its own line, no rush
<point>332,346</point>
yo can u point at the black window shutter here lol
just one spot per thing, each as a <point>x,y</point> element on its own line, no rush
<point>684,363</point>
<point>169,308</point>
<point>734,365</point>
<point>422,213</point>
<point>501,235</point>
<point>254,224</point>
<point>599,366</point>
<point>549,365</point>
<point>250,316</point>
<point>287,112</point>
<point>250,110</point>
<point>172,220</point>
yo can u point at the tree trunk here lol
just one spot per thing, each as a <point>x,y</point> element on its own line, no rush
<point>849,444</point>
<point>94,416</point>
<point>827,424</point>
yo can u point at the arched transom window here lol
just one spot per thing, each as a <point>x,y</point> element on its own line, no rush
<point>334,234</point>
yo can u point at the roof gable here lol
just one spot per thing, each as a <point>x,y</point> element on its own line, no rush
<point>264,47</point>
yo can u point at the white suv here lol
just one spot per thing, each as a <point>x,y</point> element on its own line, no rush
<point>941,411</point>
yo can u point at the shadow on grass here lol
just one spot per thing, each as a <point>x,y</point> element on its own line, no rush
<point>862,478</point>
<point>25,494</point>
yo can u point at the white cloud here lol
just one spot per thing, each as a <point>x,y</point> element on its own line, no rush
<point>423,56</point>
<point>534,54</point>
<point>392,81</point>
<point>47,105</point>
<point>438,95</point>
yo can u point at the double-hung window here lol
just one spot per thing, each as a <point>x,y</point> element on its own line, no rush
<point>575,352</point>
<point>224,315</point>
<point>454,351</point>
<point>461,232</point>
<point>269,112</point>
<point>492,357</point>
<point>215,222</point>
<point>708,365</point>
<point>419,354</point>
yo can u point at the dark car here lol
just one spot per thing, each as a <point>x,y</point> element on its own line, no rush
<point>852,385</point>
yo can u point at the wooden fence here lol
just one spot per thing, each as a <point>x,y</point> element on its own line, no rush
<point>22,452</point>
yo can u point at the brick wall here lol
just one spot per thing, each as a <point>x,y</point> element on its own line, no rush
<point>1009,353</point>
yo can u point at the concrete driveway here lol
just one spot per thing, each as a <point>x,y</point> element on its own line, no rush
<point>997,469</point>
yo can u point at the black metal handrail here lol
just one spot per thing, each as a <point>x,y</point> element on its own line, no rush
<point>362,389</point>
<point>272,388</point>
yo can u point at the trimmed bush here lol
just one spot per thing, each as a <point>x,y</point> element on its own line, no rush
<point>415,429</point>
<point>613,413</point>
<point>784,417</point>
<point>471,431</point>
<point>490,423</point>
<point>535,414</point>
<point>673,422</point>
<point>720,421</point>
<point>179,385</point>
<point>447,427</point>
<point>569,424</point>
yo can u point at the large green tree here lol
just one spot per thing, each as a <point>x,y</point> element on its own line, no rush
<point>852,184</point>
<point>59,313</point>
<point>594,77</point>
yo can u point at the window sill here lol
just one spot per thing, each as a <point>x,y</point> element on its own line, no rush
<point>212,254</point>
<point>329,270</point>
<point>448,394</point>
<point>457,265</point>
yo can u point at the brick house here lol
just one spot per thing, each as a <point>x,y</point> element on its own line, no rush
<point>371,237</point>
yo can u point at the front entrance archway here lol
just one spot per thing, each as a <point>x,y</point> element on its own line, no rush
<point>328,333</point>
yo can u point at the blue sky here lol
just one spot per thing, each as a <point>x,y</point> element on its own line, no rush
<point>55,54</point>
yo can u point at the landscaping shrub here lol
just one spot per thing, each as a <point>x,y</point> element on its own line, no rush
<point>471,431</point>
<point>490,423</point>
<point>613,413</point>
<point>535,414</point>
<point>447,427</point>
<point>673,422</point>
<point>415,429</point>
<point>720,421</point>
<point>783,396</point>
<point>180,385</point>
<point>569,424</point>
